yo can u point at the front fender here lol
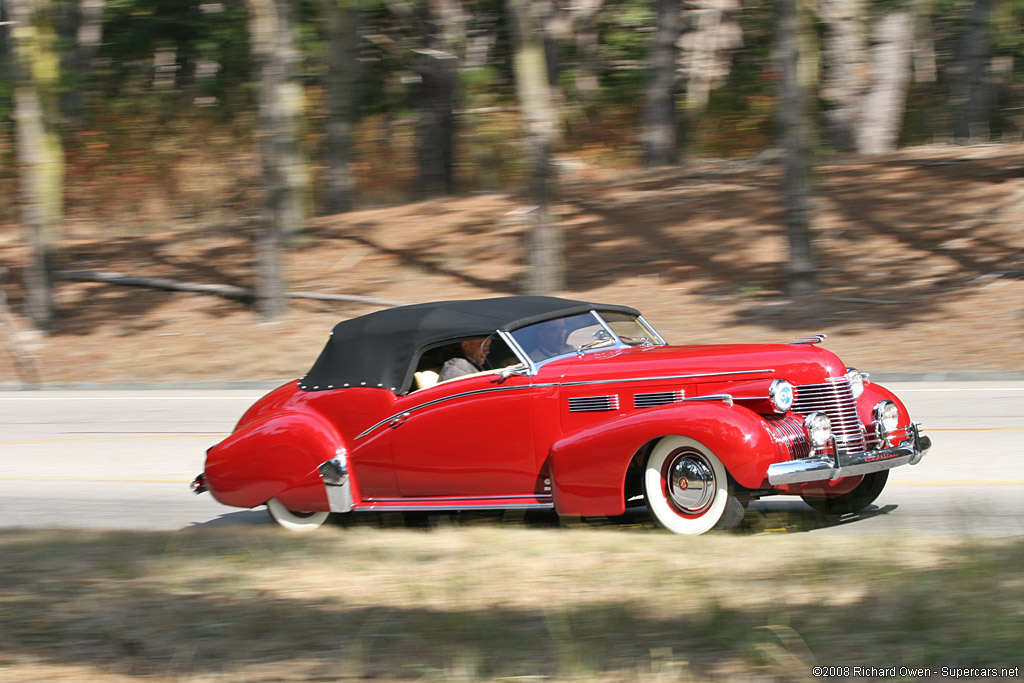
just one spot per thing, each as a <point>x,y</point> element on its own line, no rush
<point>873,393</point>
<point>274,457</point>
<point>589,466</point>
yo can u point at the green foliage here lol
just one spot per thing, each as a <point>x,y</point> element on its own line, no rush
<point>172,73</point>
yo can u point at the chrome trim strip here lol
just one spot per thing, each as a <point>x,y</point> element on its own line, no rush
<point>443,399</point>
<point>716,397</point>
<point>443,508</point>
<point>815,339</point>
<point>724,398</point>
<point>667,377</point>
<point>425,499</point>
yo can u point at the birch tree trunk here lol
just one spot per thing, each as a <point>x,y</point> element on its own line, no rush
<point>971,87</point>
<point>795,132</point>
<point>272,33</point>
<point>711,33</point>
<point>544,257</point>
<point>883,106</point>
<point>660,128</point>
<point>342,18</point>
<point>40,153</point>
<point>845,69</point>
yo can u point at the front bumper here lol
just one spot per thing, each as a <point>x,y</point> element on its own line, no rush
<point>842,464</point>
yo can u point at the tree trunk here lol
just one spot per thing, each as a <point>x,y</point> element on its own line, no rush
<point>971,87</point>
<point>883,106</point>
<point>545,260</point>
<point>711,33</point>
<point>660,139</point>
<point>437,120</point>
<point>801,273</point>
<point>40,154</point>
<point>844,57</point>
<point>272,33</point>
<point>440,27</point>
<point>85,36</point>
<point>342,19</point>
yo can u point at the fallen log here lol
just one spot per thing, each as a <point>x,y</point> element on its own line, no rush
<point>227,291</point>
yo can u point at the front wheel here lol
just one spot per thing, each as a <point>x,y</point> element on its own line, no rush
<point>860,497</point>
<point>687,488</point>
<point>295,521</point>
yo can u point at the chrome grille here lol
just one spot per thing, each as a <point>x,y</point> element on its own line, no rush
<point>789,430</point>
<point>591,404</point>
<point>835,399</point>
<point>658,398</point>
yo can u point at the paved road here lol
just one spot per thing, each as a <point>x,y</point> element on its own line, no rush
<point>122,459</point>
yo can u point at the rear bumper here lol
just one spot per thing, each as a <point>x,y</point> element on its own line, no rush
<point>842,464</point>
<point>198,484</point>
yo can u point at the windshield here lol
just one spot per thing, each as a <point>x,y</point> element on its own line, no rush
<point>575,334</point>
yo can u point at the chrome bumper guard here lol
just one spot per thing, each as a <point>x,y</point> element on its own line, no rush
<point>843,464</point>
<point>334,473</point>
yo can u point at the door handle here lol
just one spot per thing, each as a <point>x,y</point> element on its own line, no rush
<point>399,420</point>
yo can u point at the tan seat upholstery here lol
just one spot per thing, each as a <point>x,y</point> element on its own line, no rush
<point>426,378</point>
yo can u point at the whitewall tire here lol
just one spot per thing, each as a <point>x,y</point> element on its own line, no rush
<point>687,488</point>
<point>295,521</point>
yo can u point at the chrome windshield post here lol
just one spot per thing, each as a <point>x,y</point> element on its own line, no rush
<point>531,367</point>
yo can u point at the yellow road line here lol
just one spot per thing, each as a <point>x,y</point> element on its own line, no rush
<point>118,479</point>
<point>957,483</point>
<point>111,438</point>
<point>979,429</point>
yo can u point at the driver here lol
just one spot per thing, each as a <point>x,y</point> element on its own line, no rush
<point>550,341</point>
<point>474,354</point>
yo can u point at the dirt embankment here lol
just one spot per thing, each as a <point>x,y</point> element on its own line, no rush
<point>921,256</point>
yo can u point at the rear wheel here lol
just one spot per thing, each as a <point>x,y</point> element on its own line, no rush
<point>293,520</point>
<point>687,488</point>
<point>856,500</point>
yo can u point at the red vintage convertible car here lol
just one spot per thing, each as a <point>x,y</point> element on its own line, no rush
<point>576,406</point>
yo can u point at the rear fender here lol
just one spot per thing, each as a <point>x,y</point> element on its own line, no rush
<point>589,466</point>
<point>275,457</point>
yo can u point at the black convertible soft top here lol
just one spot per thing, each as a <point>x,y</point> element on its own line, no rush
<point>380,349</point>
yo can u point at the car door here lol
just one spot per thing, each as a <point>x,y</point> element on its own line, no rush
<point>468,437</point>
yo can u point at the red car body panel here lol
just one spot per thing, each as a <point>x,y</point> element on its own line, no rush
<point>497,440</point>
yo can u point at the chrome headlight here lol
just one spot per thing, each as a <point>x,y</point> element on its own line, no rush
<point>887,415</point>
<point>856,381</point>
<point>819,428</point>
<point>782,395</point>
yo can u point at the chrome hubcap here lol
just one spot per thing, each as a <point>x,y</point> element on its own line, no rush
<point>691,483</point>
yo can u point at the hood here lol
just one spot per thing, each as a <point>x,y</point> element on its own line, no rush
<point>797,363</point>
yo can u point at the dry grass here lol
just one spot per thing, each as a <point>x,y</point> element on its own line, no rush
<point>490,601</point>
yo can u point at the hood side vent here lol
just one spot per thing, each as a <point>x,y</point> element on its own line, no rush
<point>593,404</point>
<point>658,398</point>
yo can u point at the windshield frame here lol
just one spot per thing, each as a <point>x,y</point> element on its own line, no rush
<point>616,343</point>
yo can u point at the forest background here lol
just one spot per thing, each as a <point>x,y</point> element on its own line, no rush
<point>742,171</point>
